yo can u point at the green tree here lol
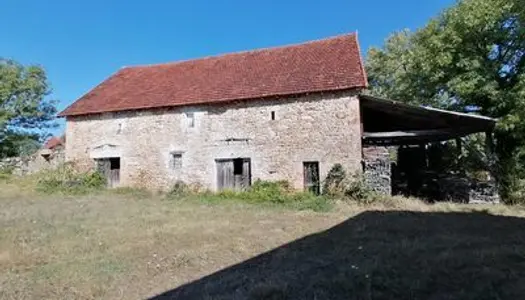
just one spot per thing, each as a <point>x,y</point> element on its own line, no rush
<point>471,56</point>
<point>25,111</point>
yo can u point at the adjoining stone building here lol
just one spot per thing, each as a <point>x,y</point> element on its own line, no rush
<point>287,113</point>
<point>49,157</point>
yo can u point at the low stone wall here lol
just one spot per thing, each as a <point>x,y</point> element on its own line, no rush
<point>484,192</point>
<point>377,170</point>
<point>460,189</point>
<point>377,174</point>
<point>33,163</point>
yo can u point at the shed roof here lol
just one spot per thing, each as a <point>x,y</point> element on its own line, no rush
<point>387,121</point>
<point>324,65</point>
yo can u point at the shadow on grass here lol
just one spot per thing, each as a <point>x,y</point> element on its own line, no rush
<point>383,255</point>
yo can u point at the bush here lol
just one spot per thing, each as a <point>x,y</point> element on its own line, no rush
<point>93,180</point>
<point>337,185</point>
<point>262,192</point>
<point>179,189</point>
<point>336,182</point>
<point>67,179</point>
<point>6,173</point>
<point>358,190</point>
<point>516,192</point>
<point>269,191</point>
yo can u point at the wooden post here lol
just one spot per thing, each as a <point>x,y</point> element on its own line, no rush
<point>459,153</point>
<point>459,145</point>
<point>489,152</point>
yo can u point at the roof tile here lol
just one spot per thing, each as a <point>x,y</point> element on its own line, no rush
<point>324,65</point>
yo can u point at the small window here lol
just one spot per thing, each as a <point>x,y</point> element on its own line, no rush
<point>273,115</point>
<point>119,129</point>
<point>176,161</point>
<point>191,119</point>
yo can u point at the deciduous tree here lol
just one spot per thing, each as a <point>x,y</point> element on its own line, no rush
<point>469,58</point>
<point>25,110</point>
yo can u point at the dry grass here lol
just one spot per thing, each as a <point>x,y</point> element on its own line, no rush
<point>135,246</point>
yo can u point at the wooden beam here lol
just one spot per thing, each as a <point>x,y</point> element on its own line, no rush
<point>413,133</point>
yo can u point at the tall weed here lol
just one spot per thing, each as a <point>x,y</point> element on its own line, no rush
<point>66,179</point>
<point>275,193</point>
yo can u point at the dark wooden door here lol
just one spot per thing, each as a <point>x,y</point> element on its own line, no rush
<point>311,177</point>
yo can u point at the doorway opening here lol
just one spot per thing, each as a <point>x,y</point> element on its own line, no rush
<point>109,168</point>
<point>311,177</point>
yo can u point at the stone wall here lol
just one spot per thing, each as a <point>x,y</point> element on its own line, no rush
<point>377,169</point>
<point>484,192</point>
<point>461,189</point>
<point>42,160</point>
<point>318,127</point>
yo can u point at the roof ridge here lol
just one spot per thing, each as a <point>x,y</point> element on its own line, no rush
<point>258,50</point>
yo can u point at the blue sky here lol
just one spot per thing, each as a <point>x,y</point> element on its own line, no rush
<point>80,43</point>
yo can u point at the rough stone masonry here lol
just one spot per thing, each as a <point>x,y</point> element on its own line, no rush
<point>377,170</point>
<point>278,135</point>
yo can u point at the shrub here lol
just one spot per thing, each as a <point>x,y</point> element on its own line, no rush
<point>180,188</point>
<point>337,185</point>
<point>6,173</point>
<point>269,191</point>
<point>67,179</point>
<point>516,193</point>
<point>93,180</point>
<point>278,193</point>
<point>336,182</point>
<point>358,190</point>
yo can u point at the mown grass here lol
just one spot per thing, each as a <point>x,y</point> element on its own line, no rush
<point>134,244</point>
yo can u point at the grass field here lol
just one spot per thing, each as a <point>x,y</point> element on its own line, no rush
<point>138,246</point>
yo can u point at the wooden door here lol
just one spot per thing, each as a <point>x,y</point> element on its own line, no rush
<point>246,174</point>
<point>114,178</point>
<point>104,168</point>
<point>114,173</point>
<point>311,177</point>
<point>110,169</point>
<point>241,174</point>
<point>233,174</point>
<point>225,177</point>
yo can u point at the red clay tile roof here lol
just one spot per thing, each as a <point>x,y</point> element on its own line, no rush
<point>53,142</point>
<point>324,65</point>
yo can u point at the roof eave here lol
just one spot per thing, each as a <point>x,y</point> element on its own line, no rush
<point>65,113</point>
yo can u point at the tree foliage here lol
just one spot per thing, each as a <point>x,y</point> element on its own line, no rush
<point>25,111</point>
<point>470,57</point>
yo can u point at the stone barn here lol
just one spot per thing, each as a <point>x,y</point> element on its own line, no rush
<point>286,113</point>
